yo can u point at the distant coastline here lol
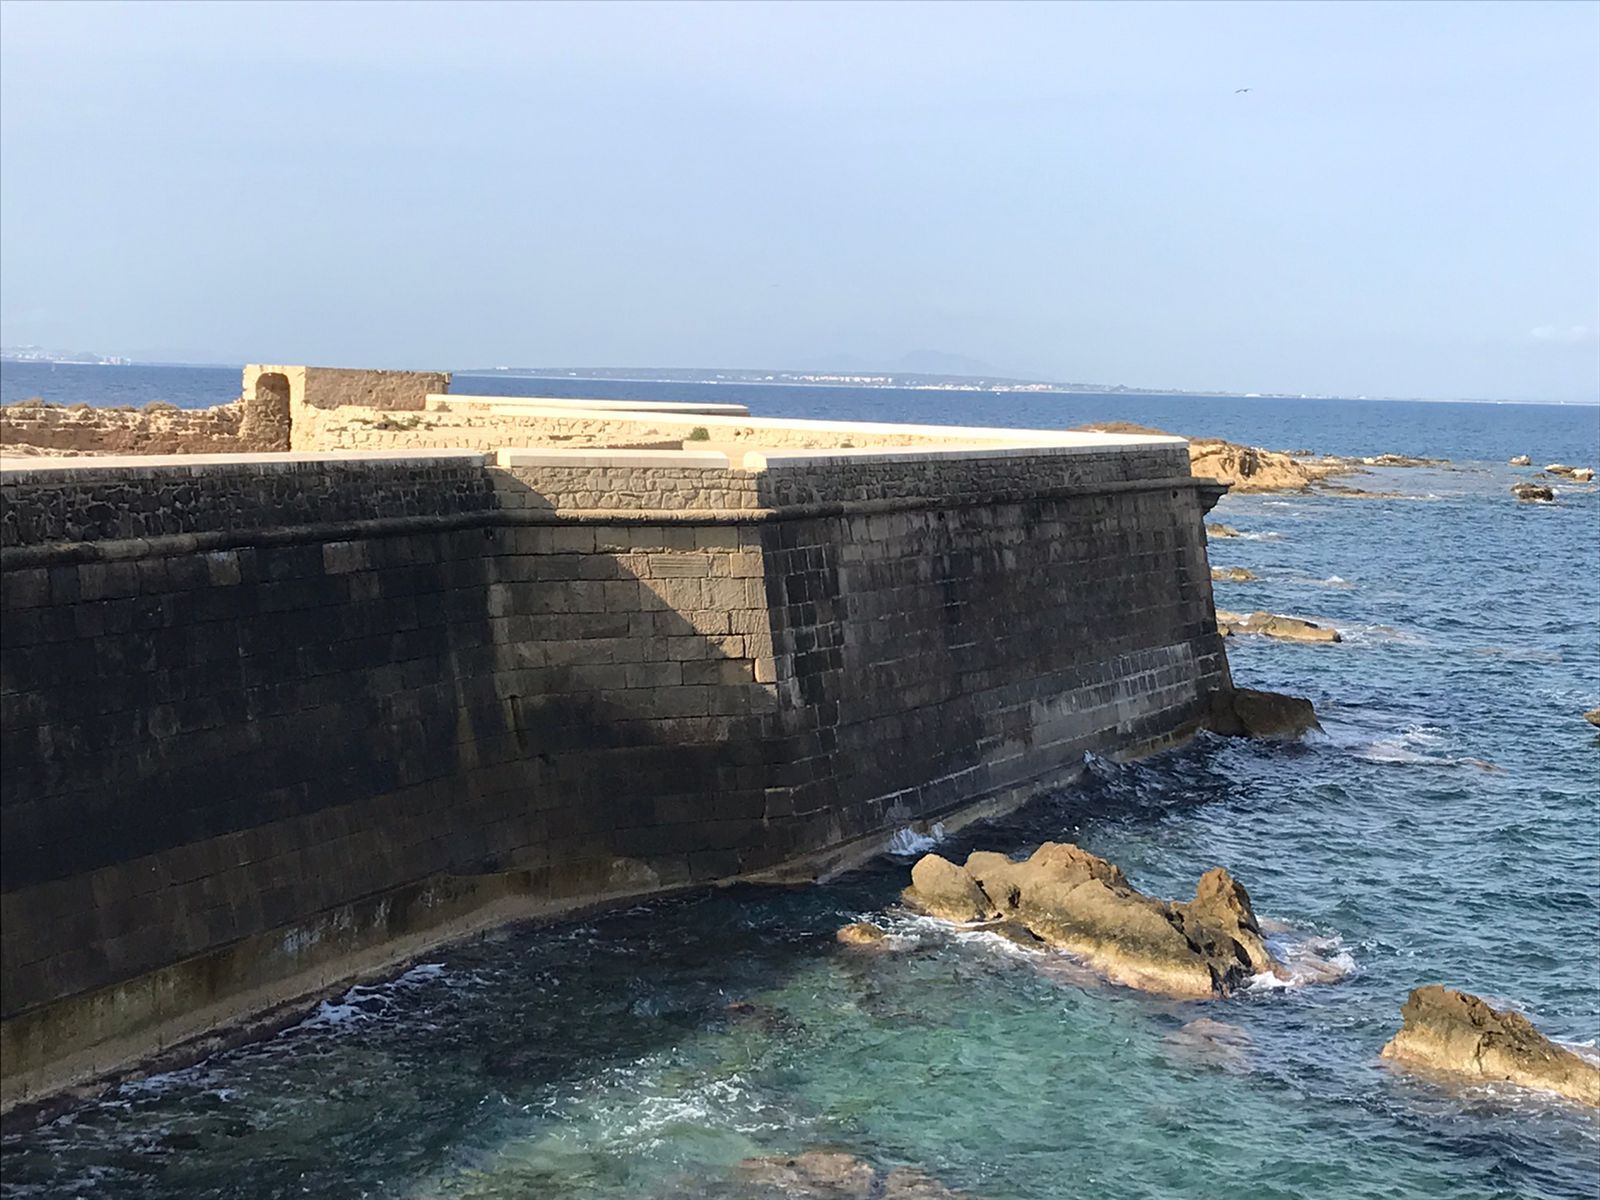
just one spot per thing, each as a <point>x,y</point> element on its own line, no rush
<point>711,376</point>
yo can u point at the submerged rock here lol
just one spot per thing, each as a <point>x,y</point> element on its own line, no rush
<point>911,1183</point>
<point>837,1175</point>
<point>1075,901</point>
<point>1245,712</point>
<point>1521,460</point>
<point>814,1175</point>
<point>861,933</point>
<point>1457,1033</point>
<point>1285,629</point>
<point>1213,1043</point>
<point>1216,529</point>
<point>1533,491</point>
<point>1232,574</point>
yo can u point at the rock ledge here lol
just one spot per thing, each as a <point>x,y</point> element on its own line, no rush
<point>1065,897</point>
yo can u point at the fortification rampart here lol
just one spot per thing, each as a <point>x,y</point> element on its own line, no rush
<point>271,722</point>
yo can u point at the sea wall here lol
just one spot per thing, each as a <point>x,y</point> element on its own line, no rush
<point>271,723</point>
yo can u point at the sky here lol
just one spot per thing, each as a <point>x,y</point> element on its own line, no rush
<point>1406,201</point>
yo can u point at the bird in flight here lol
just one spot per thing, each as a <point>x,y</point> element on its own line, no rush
<point>1236,91</point>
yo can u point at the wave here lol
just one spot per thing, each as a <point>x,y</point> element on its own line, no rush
<point>1416,745</point>
<point>1307,958</point>
<point>910,842</point>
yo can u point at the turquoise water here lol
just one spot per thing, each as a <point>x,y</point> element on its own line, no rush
<point>1444,829</point>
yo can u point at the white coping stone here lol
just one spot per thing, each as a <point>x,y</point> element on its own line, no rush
<point>761,460</point>
<point>961,435</point>
<point>437,401</point>
<point>707,460</point>
<point>16,466</point>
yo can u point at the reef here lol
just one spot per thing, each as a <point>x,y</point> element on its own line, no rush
<point>836,1175</point>
<point>1285,629</point>
<point>1461,1035</point>
<point>1067,898</point>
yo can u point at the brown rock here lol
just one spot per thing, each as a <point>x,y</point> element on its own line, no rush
<point>1457,1033</point>
<point>1078,902</point>
<point>1521,460</point>
<point>1232,574</point>
<point>942,889</point>
<point>1216,529</point>
<point>1559,469</point>
<point>1592,716</point>
<point>1532,491</point>
<point>1582,474</point>
<point>1265,624</point>
<point>1123,934</point>
<point>1253,469</point>
<point>1245,712</point>
<point>1059,864</point>
<point>1221,911</point>
<point>861,933</point>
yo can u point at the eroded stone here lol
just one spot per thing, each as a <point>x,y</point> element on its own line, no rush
<point>1460,1034</point>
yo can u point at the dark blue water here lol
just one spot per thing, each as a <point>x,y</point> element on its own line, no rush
<point>1494,432</point>
<point>1444,829</point>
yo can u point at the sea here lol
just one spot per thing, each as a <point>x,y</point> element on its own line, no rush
<point>1445,827</point>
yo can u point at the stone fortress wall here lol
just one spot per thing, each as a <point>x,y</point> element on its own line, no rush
<point>273,721</point>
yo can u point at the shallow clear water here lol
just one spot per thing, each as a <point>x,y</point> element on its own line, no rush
<point>1445,829</point>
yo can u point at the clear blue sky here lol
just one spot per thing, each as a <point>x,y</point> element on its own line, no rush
<point>1406,202</point>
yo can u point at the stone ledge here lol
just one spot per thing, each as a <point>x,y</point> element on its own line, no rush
<point>449,401</point>
<point>705,460</point>
<point>17,469</point>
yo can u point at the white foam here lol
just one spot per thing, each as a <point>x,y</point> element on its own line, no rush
<point>1307,958</point>
<point>907,842</point>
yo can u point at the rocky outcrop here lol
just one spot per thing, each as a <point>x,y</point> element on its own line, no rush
<point>1232,574</point>
<point>1285,629</point>
<point>836,1175</point>
<point>1071,899</point>
<point>1582,474</point>
<point>1242,468</point>
<point>1592,716</point>
<point>861,933</point>
<point>1253,469</point>
<point>1459,1034</point>
<point>1521,460</point>
<point>945,890</point>
<point>1559,469</point>
<point>1533,491</point>
<point>1216,529</point>
<point>1245,712</point>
